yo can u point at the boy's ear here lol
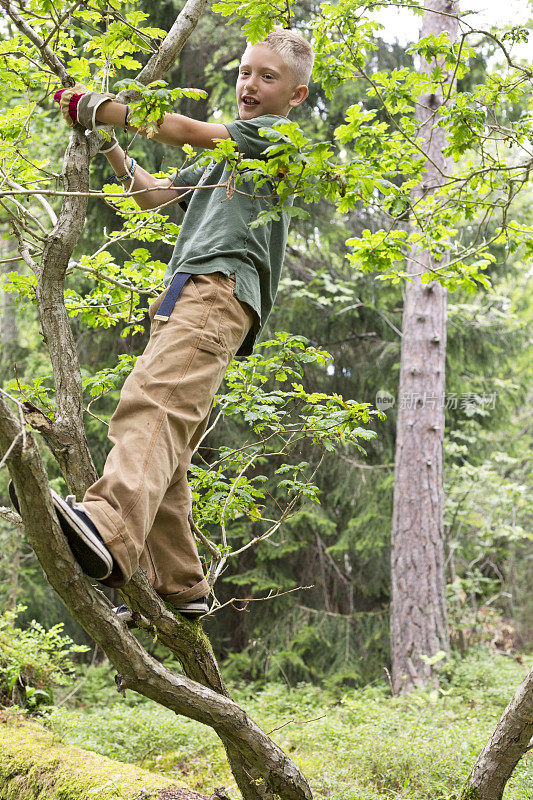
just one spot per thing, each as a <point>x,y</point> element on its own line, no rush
<point>299,95</point>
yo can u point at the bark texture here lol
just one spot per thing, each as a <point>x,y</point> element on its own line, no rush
<point>418,612</point>
<point>512,737</point>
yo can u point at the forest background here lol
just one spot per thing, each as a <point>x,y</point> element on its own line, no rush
<point>329,561</point>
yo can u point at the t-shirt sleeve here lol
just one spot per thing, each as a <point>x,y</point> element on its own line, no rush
<point>246,134</point>
<point>185,178</point>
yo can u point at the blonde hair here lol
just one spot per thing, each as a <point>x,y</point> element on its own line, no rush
<point>295,51</point>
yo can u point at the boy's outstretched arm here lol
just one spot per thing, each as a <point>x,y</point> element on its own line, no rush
<point>175,129</point>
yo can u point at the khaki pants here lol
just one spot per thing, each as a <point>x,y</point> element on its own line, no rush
<point>141,503</point>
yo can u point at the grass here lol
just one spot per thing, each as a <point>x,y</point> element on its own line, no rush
<point>359,744</point>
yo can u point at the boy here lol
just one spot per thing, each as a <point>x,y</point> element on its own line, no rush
<point>222,280</point>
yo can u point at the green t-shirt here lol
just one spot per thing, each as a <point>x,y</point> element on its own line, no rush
<point>216,236</point>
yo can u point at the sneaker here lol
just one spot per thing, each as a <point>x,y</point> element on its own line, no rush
<point>190,610</point>
<point>85,542</point>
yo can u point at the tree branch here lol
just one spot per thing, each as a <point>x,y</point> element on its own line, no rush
<point>509,742</point>
<point>49,57</point>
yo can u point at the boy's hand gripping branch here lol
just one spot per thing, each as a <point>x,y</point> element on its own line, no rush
<point>75,111</point>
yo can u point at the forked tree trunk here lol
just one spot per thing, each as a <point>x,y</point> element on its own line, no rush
<point>261,769</point>
<point>418,613</point>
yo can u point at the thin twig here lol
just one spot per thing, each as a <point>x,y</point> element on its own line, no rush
<point>213,549</point>
<point>270,596</point>
<point>10,449</point>
<point>80,684</point>
<point>296,722</point>
<point>47,53</point>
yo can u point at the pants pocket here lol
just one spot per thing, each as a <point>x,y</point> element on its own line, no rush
<point>205,287</point>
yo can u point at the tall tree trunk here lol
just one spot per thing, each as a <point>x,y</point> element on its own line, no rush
<point>418,614</point>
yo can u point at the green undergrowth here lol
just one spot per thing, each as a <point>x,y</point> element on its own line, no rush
<point>356,743</point>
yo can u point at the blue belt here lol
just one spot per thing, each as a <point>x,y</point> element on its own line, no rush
<point>174,290</point>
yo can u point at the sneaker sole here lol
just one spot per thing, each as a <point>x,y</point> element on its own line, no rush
<point>90,553</point>
<point>127,617</point>
<point>88,550</point>
<point>191,610</point>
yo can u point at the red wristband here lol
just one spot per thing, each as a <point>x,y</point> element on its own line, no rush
<point>73,106</point>
<point>73,103</point>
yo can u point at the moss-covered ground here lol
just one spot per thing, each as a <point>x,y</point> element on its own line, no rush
<point>36,765</point>
<point>352,744</point>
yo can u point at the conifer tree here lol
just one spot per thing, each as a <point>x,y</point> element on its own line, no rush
<point>418,611</point>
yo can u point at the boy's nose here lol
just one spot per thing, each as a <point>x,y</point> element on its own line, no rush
<point>250,84</point>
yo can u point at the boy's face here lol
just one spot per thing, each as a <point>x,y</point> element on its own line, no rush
<point>265,84</point>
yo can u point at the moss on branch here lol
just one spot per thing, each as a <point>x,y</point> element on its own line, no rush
<point>468,792</point>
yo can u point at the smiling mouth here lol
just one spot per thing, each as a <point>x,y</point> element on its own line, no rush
<point>250,101</point>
